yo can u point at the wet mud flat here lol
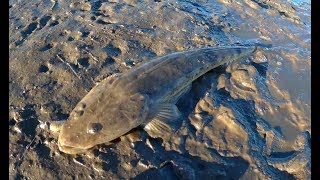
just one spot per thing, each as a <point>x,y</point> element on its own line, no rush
<point>247,119</point>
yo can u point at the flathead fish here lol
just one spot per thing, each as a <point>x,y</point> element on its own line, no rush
<point>144,96</point>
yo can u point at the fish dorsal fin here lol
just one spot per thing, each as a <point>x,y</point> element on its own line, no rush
<point>109,79</point>
<point>163,121</point>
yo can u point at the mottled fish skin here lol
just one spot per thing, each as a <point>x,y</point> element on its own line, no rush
<point>120,103</point>
<point>165,75</point>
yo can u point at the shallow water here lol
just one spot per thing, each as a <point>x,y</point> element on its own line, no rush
<point>247,119</point>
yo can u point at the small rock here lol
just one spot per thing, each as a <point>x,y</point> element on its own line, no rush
<point>55,126</point>
<point>17,129</point>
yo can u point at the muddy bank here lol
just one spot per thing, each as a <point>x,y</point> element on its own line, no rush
<point>247,119</point>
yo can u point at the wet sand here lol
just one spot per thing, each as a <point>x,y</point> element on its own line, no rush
<point>248,119</point>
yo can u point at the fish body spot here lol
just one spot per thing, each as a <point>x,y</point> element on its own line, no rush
<point>79,113</point>
<point>83,105</point>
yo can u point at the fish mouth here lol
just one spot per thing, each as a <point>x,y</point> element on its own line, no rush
<point>70,149</point>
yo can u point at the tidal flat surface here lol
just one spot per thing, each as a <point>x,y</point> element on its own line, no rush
<point>246,120</point>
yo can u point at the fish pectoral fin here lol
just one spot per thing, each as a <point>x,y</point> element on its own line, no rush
<point>167,112</point>
<point>163,122</point>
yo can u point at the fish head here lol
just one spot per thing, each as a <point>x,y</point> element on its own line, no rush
<point>101,117</point>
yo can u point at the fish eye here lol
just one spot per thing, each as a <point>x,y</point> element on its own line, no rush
<point>94,128</point>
